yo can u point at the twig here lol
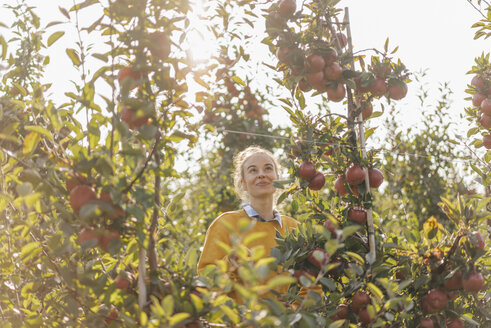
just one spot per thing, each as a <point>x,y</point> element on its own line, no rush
<point>138,176</point>
<point>478,10</point>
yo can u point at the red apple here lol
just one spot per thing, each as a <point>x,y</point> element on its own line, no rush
<point>318,257</point>
<point>378,88</point>
<point>342,313</point>
<point>339,186</point>
<point>474,282</point>
<point>333,71</point>
<point>287,8</point>
<point>455,282</point>
<point>122,282</point>
<point>159,45</point>
<point>426,323</point>
<point>375,177</point>
<point>486,141</point>
<point>455,323</point>
<point>477,240</point>
<point>486,106</point>
<point>128,116</point>
<point>485,121</point>
<point>132,75</point>
<point>331,56</point>
<point>425,304</point>
<point>355,174</point>
<point>111,317</point>
<point>397,91</point>
<point>331,226</point>
<point>317,182</point>
<point>315,63</point>
<point>477,99</point>
<point>358,215</point>
<point>364,316</point>
<point>307,273</point>
<point>80,196</point>
<point>107,238</point>
<point>336,92</point>
<point>306,171</point>
<point>89,237</point>
<point>437,299</point>
<point>366,110</point>
<point>304,86</point>
<point>74,179</point>
<point>359,301</point>
<point>316,79</point>
<point>342,39</point>
<point>478,82</point>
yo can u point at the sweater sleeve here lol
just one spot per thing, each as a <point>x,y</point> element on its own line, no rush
<point>212,251</point>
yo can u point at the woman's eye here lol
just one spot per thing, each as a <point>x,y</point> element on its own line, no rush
<point>252,170</point>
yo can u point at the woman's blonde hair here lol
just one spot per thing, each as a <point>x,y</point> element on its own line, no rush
<point>239,160</point>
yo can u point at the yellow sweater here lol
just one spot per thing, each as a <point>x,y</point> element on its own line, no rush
<point>218,232</point>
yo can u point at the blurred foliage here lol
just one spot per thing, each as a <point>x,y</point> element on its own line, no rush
<point>127,256</point>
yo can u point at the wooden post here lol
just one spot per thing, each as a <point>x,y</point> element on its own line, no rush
<point>371,256</point>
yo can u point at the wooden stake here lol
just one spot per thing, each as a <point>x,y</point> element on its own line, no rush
<point>371,256</point>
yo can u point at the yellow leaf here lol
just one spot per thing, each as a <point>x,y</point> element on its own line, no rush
<point>280,281</point>
<point>230,313</point>
<point>253,237</point>
<point>30,142</point>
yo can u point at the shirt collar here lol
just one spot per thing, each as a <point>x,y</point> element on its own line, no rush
<point>251,212</point>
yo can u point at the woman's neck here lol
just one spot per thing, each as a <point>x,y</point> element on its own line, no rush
<point>263,207</point>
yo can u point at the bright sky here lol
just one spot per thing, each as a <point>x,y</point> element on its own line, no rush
<point>433,35</point>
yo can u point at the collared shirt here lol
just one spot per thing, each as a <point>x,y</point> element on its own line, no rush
<point>251,212</point>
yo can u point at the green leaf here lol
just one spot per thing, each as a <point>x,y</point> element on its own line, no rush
<point>230,314</point>
<point>29,249</point>
<point>238,80</point>
<point>84,4</point>
<point>54,37</point>
<point>469,320</point>
<point>349,230</point>
<point>280,281</point>
<point>197,302</point>
<point>375,291</point>
<point>72,53</point>
<point>356,257</point>
<point>3,43</point>
<point>30,142</point>
<point>178,317</point>
<point>20,88</point>
<point>64,12</point>
<point>337,323</point>
<point>40,130</point>
<point>168,305</point>
<point>201,82</point>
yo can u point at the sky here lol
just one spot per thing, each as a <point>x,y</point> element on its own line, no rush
<point>435,36</point>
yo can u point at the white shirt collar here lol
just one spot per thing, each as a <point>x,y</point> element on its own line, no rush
<point>251,212</point>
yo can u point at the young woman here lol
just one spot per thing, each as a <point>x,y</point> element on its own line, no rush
<point>255,171</point>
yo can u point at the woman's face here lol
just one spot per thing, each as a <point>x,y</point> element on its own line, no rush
<point>259,173</point>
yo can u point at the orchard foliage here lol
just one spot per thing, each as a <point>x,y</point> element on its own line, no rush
<point>101,229</point>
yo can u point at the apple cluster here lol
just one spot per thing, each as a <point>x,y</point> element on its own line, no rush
<point>382,80</point>
<point>129,78</point>
<point>465,278</point>
<point>322,66</point>
<point>354,176</point>
<point>82,194</point>
<point>482,100</point>
<point>307,172</point>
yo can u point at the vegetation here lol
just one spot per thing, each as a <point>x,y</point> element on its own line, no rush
<point>100,228</point>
